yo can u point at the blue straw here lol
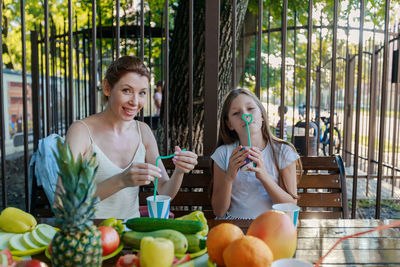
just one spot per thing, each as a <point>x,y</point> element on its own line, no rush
<point>247,125</point>
<point>161,157</point>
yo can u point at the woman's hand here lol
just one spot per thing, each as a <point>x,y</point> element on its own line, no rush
<point>184,161</point>
<point>140,174</point>
<point>236,160</point>
<point>256,156</point>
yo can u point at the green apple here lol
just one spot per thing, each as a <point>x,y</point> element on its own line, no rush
<point>156,252</point>
<point>4,237</point>
<point>46,232</point>
<point>38,240</point>
<point>17,243</point>
<point>28,242</point>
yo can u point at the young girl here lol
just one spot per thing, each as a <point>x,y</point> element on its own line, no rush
<point>272,178</point>
<point>126,150</point>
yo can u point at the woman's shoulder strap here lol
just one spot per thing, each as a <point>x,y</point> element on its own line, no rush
<point>87,127</point>
<point>140,132</point>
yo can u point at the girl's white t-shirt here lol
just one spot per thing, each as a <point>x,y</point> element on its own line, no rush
<point>249,197</point>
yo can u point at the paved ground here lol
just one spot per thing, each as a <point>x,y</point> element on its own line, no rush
<point>386,189</point>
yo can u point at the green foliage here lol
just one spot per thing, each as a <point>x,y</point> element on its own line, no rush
<point>392,204</point>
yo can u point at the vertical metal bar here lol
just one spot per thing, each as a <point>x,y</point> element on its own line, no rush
<point>150,65</point>
<point>117,27</point>
<point>85,70</point>
<point>35,89</point>
<point>191,71</point>
<point>70,68</point>
<point>65,122</point>
<point>58,84</point>
<point>396,107</point>
<point>47,67</point>
<point>166,73</point>
<point>142,29</point>
<point>78,78</point>
<point>268,51</point>
<point>294,69</point>
<point>2,130</point>
<point>347,130</point>
<point>242,60</point>
<point>53,76</point>
<point>211,75</point>
<point>125,34</point>
<point>93,93</point>
<point>333,74</point>
<point>358,109</point>
<point>112,34</point>
<point>42,86</point>
<point>283,67</point>
<point>25,104</point>
<point>383,110</point>
<point>142,42</point>
<point>100,47</point>
<point>308,77</point>
<point>234,44</point>
<point>318,87</point>
<point>259,47</point>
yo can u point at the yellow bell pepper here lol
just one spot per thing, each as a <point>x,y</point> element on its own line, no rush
<point>156,252</point>
<point>197,215</point>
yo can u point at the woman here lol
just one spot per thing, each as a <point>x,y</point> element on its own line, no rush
<point>126,150</point>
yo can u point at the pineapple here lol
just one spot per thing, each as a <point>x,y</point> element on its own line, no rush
<point>78,242</point>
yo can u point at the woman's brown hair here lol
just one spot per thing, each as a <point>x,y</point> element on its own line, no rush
<point>227,136</point>
<point>122,66</point>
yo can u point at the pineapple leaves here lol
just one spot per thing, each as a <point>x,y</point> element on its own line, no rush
<point>74,195</point>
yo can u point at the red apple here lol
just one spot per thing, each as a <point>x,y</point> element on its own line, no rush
<point>277,230</point>
<point>31,263</point>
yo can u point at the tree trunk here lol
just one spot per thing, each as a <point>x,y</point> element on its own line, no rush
<point>178,103</point>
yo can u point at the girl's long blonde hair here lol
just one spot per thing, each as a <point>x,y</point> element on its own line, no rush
<point>227,136</point>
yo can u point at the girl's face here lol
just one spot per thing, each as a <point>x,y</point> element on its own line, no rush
<point>240,105</point>
<point>128,96</point>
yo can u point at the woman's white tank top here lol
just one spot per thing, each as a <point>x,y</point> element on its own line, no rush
<point>124,204</point>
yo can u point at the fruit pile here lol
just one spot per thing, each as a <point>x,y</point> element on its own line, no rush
<point>21,233</point>
<point>165,242</point>
<point>271,236</point>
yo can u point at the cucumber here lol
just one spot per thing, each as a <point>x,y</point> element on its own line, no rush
<point>146,224</point>
<point>132,239</point>
<point>196,242</point>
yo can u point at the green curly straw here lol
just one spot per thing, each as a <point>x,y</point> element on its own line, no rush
<point>161,157</point>
<point>247,125</point>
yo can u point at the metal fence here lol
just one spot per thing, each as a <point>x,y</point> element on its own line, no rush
<point>358,86</point>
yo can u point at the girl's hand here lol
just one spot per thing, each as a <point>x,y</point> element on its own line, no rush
<point>140,174</point>
<point>256,156</point>
<point>184,161</point>
<point>236,160</point>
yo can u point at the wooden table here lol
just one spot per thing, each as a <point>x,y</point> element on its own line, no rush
<point>316,237</point>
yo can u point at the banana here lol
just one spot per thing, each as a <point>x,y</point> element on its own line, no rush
<point>14,220</point>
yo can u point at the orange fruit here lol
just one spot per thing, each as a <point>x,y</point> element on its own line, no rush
<point>219,238</point>
<point>248,251</point>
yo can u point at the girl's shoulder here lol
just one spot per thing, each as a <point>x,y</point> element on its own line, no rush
<point>226,148</point>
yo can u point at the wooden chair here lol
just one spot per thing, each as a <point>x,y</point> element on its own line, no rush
<point>322,188</point>
<point>39,204</point>
<point>193,194</point>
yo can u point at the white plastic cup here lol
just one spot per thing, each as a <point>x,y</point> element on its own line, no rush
<point>290,209</point>
<point>290,263</point>
<point>160,207</point>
